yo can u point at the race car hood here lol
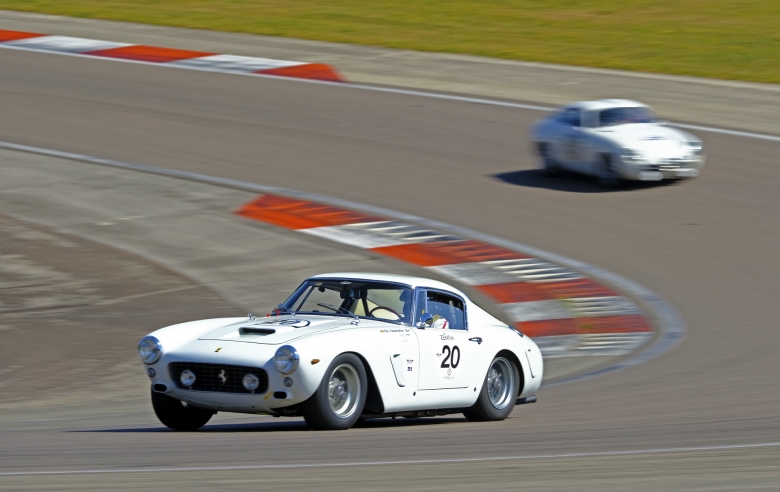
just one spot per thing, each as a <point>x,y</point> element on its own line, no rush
<point>648,138</point>
<point>278,330</point>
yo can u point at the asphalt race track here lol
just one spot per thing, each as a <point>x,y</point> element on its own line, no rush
<point>702,417</point>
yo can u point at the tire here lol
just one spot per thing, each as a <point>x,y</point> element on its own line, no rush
<point>498,394</point>
<point>549,166</point>
<point>339,400</point>
<point>173,414</point>
<point>606,174</point>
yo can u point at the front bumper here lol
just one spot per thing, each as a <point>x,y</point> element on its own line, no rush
<point>277,390</point>
<point>276,396</point>
<point>674,168</point>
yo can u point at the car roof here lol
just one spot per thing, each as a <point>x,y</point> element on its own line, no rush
<point>410,280</point>
<point>604,104</point>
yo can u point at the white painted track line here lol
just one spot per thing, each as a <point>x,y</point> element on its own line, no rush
<point>595,454</point>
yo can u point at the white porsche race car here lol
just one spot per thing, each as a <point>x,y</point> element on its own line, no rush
<point>614,140</point>
<point>345,347</point>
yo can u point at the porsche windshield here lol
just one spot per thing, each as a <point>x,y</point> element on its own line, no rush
<point>366,299</point>
<point>620,116</point>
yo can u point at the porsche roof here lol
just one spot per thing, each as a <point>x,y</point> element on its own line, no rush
<point>605,104</point>
<point>389,277</point>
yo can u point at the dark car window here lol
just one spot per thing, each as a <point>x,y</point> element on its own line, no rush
<point>620,116</point>
<point>445,305</point>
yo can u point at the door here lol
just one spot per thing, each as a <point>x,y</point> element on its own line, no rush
<point>447,356</point>
<point>569,139</point>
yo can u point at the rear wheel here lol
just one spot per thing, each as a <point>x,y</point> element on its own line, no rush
<point>339,400</point>
<point>498,394</point>
<point>175,415</point>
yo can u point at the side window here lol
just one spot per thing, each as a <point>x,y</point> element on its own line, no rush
<point>446,306</point>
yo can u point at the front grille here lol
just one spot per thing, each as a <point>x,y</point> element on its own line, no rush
<point>220,378</point>
<point>668,165</point>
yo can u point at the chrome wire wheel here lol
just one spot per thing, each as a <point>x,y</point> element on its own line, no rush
<point>500,382</point>
<point>344,391</point>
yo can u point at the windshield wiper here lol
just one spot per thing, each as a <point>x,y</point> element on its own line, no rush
<point>339,309</point>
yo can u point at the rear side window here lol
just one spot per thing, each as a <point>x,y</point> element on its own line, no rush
<point>447,306</point>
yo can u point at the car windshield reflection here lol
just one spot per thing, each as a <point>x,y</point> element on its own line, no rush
<point>621,116</point>
<point>385,301</point>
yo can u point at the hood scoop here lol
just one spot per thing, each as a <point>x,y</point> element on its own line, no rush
<point>273,330</point>
<point>249,330</point>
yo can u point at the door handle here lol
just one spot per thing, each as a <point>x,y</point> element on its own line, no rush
<point>476,339</point>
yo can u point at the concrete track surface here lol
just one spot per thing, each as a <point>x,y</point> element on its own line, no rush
<point>679,422</point>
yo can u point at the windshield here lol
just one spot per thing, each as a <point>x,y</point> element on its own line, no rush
<point>366,299</point>
<point>619,116</point>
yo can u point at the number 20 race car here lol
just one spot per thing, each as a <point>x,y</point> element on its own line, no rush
<point>345,347</point>
<point>614,140</point>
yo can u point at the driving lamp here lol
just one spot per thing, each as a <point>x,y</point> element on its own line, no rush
<point>286,359</point>
<point>251,382</point>
<point>149,350</point>
<point>187,378</point>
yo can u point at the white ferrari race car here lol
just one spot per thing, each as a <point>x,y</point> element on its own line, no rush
<point>614,140</point>
<point>345,347</point>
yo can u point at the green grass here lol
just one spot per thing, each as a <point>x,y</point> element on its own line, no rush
<point>727,39</point>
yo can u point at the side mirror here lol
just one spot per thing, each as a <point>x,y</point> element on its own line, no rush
<point>426,320</point>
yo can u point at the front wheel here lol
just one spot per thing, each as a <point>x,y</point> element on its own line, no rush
<point>175,415</point>
<point>338,401</point>
<point>606,173</point>
<point>498,394</point>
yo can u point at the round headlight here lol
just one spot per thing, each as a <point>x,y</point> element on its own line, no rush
<point>630,156</point>
<point>286,359</point>
<point>697,148</point>
<point>187,378</point>
<point>149,350</point>
<point>251,382</point>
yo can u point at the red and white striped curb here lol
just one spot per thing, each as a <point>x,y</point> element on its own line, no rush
<point>566,313</point>
<point>197,60</point>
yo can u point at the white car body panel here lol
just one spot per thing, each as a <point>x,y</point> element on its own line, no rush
<point>407,363</point>
<point>663,152</point>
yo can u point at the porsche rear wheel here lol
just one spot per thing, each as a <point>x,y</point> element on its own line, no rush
<point>175,415</point>
<point>339,400</point>
<point>498,394</point>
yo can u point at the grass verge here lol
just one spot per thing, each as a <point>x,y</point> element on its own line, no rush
<point>725,39</point>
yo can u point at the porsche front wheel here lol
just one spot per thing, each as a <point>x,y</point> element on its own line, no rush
<point>175,415</point>
<point>338,401</point>
<point>498,394</point>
